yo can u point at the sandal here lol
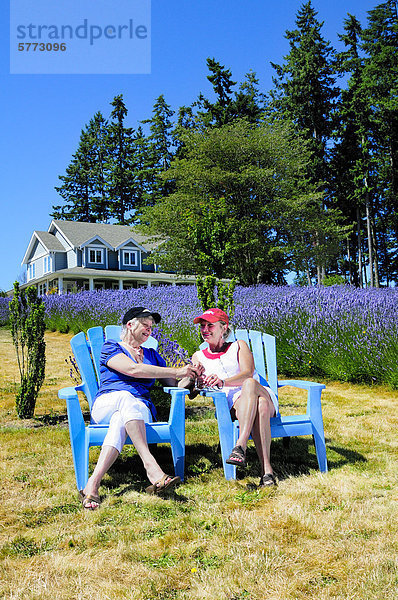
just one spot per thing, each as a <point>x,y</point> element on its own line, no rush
<point>237,457</point>
<point>267,480</point>
<point>165,483</point>
<point>86,499</point>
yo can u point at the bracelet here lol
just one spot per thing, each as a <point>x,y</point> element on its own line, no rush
<point>222,384</point>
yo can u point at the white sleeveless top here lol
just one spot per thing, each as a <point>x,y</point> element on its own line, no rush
<point>224,365</point>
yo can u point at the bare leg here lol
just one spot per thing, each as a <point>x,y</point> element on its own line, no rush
<point>137,433</point>
<point>261,432</point>
<point>107,457</point>
<point>246,408</point>
<point>254,408</point>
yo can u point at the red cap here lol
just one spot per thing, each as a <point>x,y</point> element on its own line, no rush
<point>212,315</point>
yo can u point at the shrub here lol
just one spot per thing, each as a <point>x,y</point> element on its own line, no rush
<point>27,329</point>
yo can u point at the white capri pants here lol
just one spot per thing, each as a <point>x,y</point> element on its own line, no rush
<point>117,408</point>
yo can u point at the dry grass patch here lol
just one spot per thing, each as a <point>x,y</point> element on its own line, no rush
<point>316,536</point>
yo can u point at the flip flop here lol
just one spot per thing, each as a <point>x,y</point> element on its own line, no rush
<point>167,482</point>
<point>237,457</point>
<point>88,499</point>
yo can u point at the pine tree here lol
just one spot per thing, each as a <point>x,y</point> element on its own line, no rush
<point>159,150</point>
<point>220,112</point>
<point>122,184</point>
<point>249,101</point>
<point>380,42</point>
<point>351,164</point>
<point>83,186</point>
<point>305,93</point>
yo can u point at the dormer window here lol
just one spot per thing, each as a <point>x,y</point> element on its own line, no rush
<point>95,255</point>
<point>130,258</point>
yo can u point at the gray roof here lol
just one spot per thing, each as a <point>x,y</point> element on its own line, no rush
<point>78,233</point>
<point>49,241</point>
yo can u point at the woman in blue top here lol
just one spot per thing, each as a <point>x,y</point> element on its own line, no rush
<point>127,372</point>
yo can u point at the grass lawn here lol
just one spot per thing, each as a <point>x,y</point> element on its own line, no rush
<point>316,536</point>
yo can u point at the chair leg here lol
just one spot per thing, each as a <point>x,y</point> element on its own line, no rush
<point>79,442</point>
<point>226,431</point>
<point>177,431</point>
<point>320,448</point>
<point>81,467</point>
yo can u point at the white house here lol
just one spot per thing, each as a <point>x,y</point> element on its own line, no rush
<point>73,255</point>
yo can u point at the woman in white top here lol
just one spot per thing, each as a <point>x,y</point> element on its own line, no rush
<point>230,367</point>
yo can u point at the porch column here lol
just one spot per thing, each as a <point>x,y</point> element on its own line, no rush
<point>91,283</point>
<point>60,285</point>
<point>120,284</point>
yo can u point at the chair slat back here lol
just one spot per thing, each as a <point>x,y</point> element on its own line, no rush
<point>95,336</point>
<point>269,344</point>
<point>112,332</point>
<point>82,354</point>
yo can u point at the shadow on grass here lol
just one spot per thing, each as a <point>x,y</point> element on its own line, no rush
<point>298,458</point>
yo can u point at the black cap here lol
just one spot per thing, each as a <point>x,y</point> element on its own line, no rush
<point>140,311</point>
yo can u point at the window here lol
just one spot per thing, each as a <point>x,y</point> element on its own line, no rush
<point>130,258</point>
<point>95,256</point>
<point>47,264</point>
<point>31,271</point>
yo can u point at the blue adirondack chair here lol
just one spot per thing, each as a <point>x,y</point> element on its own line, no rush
<point>311,423</point>
<point>87,355</point>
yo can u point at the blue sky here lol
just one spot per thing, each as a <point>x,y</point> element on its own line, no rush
<point>42,115</point>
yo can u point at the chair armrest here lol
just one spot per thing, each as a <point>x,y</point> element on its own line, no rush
<point>74,410</point>
<point>299,383</point>
<point>314,406</point>
<point>68,392</point>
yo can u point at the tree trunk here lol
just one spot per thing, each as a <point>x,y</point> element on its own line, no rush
<point>349,263</point>
<point>370,244</point>
<point>360,278</point>
<point>376,258</point>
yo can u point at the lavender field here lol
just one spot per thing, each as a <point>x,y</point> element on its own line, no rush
<point>336,332</point>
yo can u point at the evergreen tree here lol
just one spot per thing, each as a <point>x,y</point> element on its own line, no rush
<point>249,101</point>
<point>83,186</point>
<point>305,93</point>
<point>351,163</point>
<point>380,42</point>
<point>220,112</point>
<point>122,184</point>
<point>159,150</point>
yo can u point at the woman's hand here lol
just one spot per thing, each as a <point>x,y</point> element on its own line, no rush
<point>212,381</point>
